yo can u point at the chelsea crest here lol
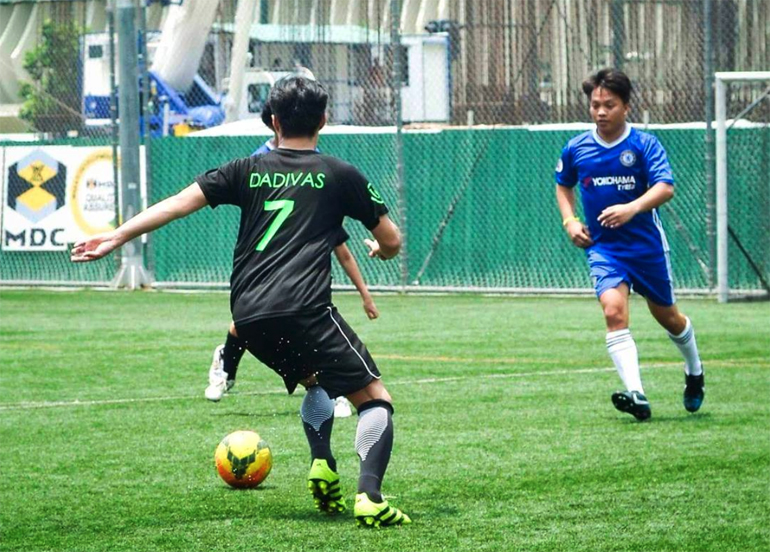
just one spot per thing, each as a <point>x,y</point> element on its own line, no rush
<point>628,158</point>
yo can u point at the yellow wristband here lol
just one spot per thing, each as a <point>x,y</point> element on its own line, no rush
<point>567,220</point>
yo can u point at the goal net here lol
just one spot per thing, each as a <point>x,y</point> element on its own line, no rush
<point>743,184</point>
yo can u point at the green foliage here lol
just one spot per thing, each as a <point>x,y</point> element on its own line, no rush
<point>506,439</point>
<point>52,100</point>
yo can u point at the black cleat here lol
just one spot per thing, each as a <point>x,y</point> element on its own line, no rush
<point>694,391</point>
<point>632,402</point>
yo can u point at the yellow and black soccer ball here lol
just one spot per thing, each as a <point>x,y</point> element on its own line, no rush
<point>243,459</point>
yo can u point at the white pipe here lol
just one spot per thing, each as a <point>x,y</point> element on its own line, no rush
<point>96,15</point>
<point>720,78</point>
<point>182,42</point>
<point>9,39</point>
<point>244,15</point>
<point>314,13</point>
<point>721,191</point>
<point>27,42</point>
<point>734,76</point>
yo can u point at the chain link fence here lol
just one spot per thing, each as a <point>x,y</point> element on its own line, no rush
<point>457,111</point>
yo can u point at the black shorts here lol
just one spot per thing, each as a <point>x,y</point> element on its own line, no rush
<point>320,343</point>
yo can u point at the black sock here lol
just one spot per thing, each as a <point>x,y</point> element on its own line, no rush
<point>374,442</point>
<point>317,413</point>
<point>232,354</point>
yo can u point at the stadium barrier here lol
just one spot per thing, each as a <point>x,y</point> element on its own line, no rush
<point>479,212</point>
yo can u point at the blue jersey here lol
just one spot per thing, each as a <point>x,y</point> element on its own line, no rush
<point>611,174</point>
<point>267,147</point>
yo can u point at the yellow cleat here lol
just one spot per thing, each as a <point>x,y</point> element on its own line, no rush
<point>324,484</point>
<point>373,514</point>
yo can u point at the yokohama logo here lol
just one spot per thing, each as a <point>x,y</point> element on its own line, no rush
<point>613,180</point>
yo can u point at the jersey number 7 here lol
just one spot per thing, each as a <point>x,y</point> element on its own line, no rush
<point>284,208</point>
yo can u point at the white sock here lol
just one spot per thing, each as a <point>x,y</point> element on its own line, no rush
<point>622,350</point>
<point>685,342</point>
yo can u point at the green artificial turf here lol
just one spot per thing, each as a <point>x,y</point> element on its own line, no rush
<point>505,435</point>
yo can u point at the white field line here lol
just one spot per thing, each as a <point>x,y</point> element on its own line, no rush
<point>55,404</point>
<point>521,375</point>
<point>421,381</point>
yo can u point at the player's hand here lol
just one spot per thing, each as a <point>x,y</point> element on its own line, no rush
<point>95,248</point>
<point>371,309</point>
<point>616,216</point>
<point>579,234</point>
<point>374,249</point>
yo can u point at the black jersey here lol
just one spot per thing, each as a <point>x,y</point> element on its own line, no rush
<point>341,238</point>
<point>292,205</point>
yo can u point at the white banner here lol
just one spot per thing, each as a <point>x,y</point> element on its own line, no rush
<point>54,196</point>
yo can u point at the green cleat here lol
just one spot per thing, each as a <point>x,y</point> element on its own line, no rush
<point>372,514</point>
<point>324,484</point>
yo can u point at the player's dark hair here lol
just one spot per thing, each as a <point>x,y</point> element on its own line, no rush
<point>299,105</point>
<point>613,80</point>
<point>267,116</point>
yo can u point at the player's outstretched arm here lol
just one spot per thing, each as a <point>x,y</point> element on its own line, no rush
<point>348,262</point>
<point>387,240</point>
<point>617,215</point>
<point>182,204</point>
<point>578,233</point>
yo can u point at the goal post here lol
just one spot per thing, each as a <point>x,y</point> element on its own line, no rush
<point>721,81</point>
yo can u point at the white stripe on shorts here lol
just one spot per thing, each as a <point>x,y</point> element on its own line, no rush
<point>659,225</point>
<point>331,315</point>
<point>670,276</point>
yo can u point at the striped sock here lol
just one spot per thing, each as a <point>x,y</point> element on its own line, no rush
<point>686,344</point>
<point>317,414</point>
<point>374,442</point>
<point>622,350</point>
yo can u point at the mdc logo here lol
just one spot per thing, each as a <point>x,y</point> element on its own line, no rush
<point>37,185</point>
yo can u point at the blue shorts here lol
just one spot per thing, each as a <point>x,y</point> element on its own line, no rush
<point>649,276</point>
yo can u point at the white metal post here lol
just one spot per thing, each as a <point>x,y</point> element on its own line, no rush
<point>721,190</point>
<point>720,80</point>
<point>244,16</point>
<point>132,273</point>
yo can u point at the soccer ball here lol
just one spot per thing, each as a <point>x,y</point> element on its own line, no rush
<point>243,459</point>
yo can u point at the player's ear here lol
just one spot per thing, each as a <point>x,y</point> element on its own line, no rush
<point>323,121</point>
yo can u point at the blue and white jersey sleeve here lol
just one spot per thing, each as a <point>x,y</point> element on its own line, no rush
<point>267,147</point>
<point>566,172</point>
<point>656,163</point>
